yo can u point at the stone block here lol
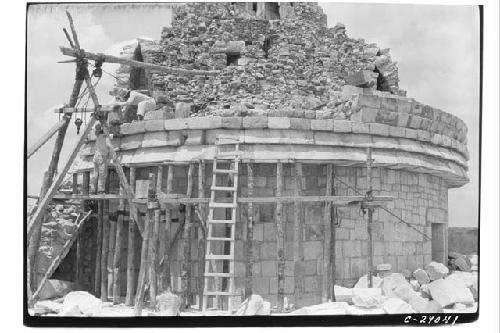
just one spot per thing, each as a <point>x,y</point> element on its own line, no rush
<point>389,103</point>
<point>360,128</point>
<point>436,270</point>
<point>371,101</point>
<point>365,115</point>
<point>367,297</point>
<point>136,127</point>
<point>204,122</point>
<point>255,122</point>
<point>154,125</point>
<point>322,124</point>
<point>449,291</point>
<point>404,106</point>
<point>154,139</point>
<point>423,135</point>
<point>131,141</point>
<point>312,283</point>
<point>175,124</point>
<point>232,122</point>
<point>362,78</point>
<point>312,250</point>
<point>268,250</point>
<point>269,267</point>
<point>310,114</point>
<point>278,122</point>
<point>379,129</point>
<point>300,124</point>
<point>396,306</point>
<point>155,115</point>
<point>411,133</point>
<point>193,137</point>
<point>397,131</point>
<point>174,138</point>
<point>387,117</point>
<point>415,122</point>
<point>182,109</point>
<point>403,119</point>
<point>342,126</point>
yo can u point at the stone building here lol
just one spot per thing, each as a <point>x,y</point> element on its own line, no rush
<point>288,90</point>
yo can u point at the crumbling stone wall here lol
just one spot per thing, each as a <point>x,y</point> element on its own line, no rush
<point>295,62</point>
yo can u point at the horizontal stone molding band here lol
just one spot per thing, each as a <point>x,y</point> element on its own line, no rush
<point>197,137</point>
<point>453,173</point>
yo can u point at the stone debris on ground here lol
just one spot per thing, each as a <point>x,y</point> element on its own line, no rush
<point>367,297</point>
<point>54,288</point>
<point>87,304</point>
<point>436,270</point>
<point>168,304</point>
<point>254,306</point>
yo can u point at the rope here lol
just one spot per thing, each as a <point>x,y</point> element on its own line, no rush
<point>113,76</point>
<point>387,210</point>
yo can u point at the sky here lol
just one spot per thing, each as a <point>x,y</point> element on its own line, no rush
<point>436,47</point>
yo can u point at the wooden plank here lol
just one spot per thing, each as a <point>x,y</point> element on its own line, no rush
<point>249,239</point>
<point>105,250</point>
<point>59,258</point>
<point>79,248</point>
<point>298,255</point>
<point>50,133</point>
<point>186,244</point>
<point>137,64</point>
<point>97,270</point>
<point>280,238</point>
<point>129,298</point>
<point>90,196</point>
<point>325,286</point>
<point>117,257</point>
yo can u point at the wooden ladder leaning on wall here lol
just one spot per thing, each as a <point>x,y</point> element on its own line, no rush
<point>230,158</point>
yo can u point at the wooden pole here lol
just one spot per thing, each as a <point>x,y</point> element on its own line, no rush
<point>79,249</point>
<point>333,239</point>
<point>117,258</point>
<point>80,241</point>
<point>160,234</point>
<point>97,279</point>
<point>137,64</point>
<point>201,234</point>
<point>280,234</point>
<point>186,246</point>
<point>129,299</point>
<point>146,249</point>
<point>249,240</point>
<point>33,149</point>
<point>111,254</point>
<point>167,231</point>
<point>370,217</point>
<point>105,250</point>
<point>141,281</point>
<point>298,254</point>
<point>153,276</point>
<point>326,294</point>
<point>49,187</point>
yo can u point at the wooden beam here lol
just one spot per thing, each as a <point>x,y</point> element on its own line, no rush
<point>105,250</point>
<point>111,254</point>
<point>153,242</point>
<point>201,233</point>
<point>132,63</point>
<point>97,271</point>
<point>129,299</point>
<point>167,232</point>
<point>141,281</point>
<point>53,130</point>
<point>280,235</point>
<point>369,162</point>
<point>333,240</point>
<point>186,243</point>
<point>298,255</point>
<point>59,258</point>
<point>117,257</point>
<point>249,238</point>
<point>325,285</point>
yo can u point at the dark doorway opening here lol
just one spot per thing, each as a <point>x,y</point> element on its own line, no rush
<point>382,83</point>
<point>232,59</point>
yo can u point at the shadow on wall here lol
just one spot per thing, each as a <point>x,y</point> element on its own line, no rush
<point>463,240</point>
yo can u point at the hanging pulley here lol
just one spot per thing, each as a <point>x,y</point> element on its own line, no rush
<point>78,123</point>
<point>97,72</point>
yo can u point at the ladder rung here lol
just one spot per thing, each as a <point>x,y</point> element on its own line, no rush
<point>222,221</point>
<point>223,188</point>
<point>219,274</point>
<point>222,239</point>
<point>220,293</point>
<point>219,256</point>
<point>222,205</point>
<point>225,171</point>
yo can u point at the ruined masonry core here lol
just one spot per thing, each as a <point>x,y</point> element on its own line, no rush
<point>283,93</point>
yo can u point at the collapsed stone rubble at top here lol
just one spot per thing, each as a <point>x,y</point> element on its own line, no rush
<point>272,58</point>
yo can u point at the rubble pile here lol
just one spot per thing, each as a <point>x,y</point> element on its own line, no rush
<point>281,67</point>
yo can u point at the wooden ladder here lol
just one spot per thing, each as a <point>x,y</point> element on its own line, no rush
<point>230,158</point>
